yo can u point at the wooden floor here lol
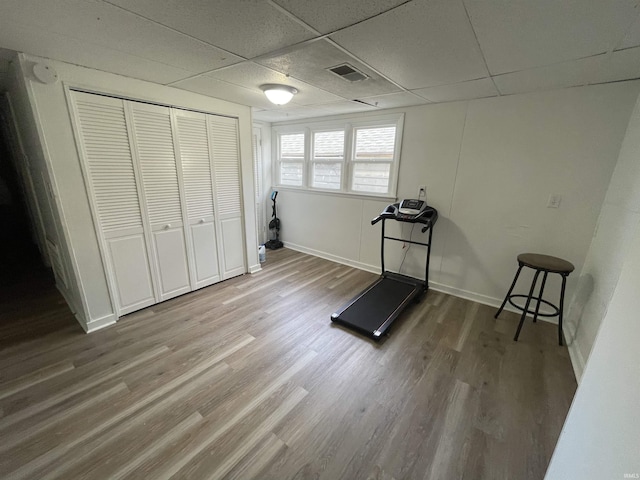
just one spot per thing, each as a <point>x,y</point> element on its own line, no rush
<point>249,379</point>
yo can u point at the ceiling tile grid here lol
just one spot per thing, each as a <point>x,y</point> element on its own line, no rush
<point>327,16</point>
<point>310,63</point>
<point>41,43</point>
<point>566,74</point>
<point>420,44</point>
<point>521,34</point>
<point>412,51</point>
<point>250,75</point>
<point>247,28</point>
<point>480,88</point>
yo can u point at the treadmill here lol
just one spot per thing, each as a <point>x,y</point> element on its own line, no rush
<point>373,311</point>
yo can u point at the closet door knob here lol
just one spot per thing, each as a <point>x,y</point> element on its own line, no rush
<point>202,220</point>
<point>167,226</point>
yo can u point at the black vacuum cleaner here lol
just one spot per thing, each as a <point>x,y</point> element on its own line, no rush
<point>274,226</point>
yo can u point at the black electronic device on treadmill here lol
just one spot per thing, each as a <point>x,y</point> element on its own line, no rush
<point>373,310</point>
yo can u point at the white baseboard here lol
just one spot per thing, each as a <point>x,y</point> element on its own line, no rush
<point>577,359</point>
<point>439,287</point>
<point>483,299</point>
<point>255,268</point>
<point>334,258</point>
<point>100,323</point>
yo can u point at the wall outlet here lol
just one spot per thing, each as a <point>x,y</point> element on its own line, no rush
<point>422,191</point>
<point>554,200</point>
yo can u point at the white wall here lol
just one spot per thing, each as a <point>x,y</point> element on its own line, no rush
<point>51,142</point>
<point>600,436</point>
<point>265,132</point>
<point>489,166</point>
<point>619,219</point>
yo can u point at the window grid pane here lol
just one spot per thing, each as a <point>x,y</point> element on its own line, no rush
<point>291,173</point>
<point>371,177</point>
<point>327,175</point>
<point>375,143</point>
<point>292,146</point>
<point>328,145</point>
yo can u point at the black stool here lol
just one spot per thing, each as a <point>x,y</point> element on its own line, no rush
<point>539,263</point>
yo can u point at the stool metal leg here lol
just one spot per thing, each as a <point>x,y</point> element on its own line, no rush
<point>564,283</point>
<point>526,306</point>
<point>544,280</point>
<point>513,284</point>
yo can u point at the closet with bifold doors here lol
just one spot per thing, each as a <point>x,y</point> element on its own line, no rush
<point>165,192</point>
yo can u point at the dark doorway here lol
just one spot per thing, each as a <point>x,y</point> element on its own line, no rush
<point>19,255</point>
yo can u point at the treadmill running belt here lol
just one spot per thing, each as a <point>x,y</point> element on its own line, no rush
<point>372,309</point>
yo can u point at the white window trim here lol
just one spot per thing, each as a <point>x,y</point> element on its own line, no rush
<point>348,125</point>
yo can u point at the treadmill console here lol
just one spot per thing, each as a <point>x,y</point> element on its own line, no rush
<point>412,207</point>
<point>410,210</point>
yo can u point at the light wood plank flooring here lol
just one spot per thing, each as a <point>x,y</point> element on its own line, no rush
<point>249,379</point>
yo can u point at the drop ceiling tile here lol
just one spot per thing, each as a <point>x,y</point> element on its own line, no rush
<point>274,116</point>
<point>99,23</point>
<point>309,63</point>
<point>620,65</point>
<point>632,38</point>
<point>37,42</point>
<point>480,88</point>
<point>346,107</point>
<point>420,44</point>
<point>288,112</point>
<point>224,91</point>
<point>520,34</point>
<point>330,15</point>
<point>395,100</point>
<point>567,74</point>
<point>251,75</point>
<point>246,28</point>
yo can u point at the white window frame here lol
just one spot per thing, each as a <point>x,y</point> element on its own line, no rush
<point>312,160</point>
<point>349,125</point>
<point>305,156</point>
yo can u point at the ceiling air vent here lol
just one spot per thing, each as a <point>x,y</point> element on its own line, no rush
<point>348,72</point>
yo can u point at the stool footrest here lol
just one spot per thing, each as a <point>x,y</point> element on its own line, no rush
<point>532,312</point>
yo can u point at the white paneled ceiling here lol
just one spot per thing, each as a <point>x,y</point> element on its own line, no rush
<point>412,51</point>
<point>309,62</point>
<point>419,44</point>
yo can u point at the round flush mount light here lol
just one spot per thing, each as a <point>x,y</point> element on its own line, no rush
<point>278,94</point>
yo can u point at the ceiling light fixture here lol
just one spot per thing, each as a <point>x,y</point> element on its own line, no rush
<point>278,94</point>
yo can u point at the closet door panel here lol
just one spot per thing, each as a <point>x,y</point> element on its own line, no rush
<point>232,236</point>
<point>153,139</point>
<point>172,267</point>
<point>110,177</point>
<point>223,135</point>
<point>130,268</point>
<point>206,257</point>
<point>197,177</point>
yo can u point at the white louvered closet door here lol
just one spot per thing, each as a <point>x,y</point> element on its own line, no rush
<point>111,182</point>
<point>195,161</point>
<point>223,138</point>
<point>154,149</point>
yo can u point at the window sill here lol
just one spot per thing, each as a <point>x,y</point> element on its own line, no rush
<point>361,196</point>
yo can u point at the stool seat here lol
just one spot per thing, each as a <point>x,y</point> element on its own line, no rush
<point>546,263</point>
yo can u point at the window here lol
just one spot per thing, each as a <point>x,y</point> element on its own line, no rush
<point>356,156</point>
<point>291,159</point>
<point>373,158</point>
<point>327,159</point>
